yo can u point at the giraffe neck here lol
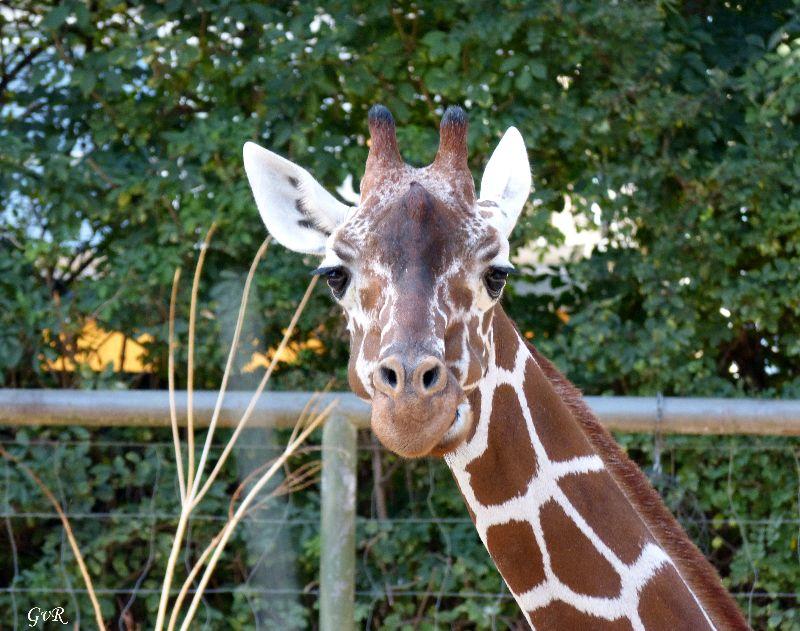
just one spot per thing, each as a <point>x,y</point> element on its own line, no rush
<point>579,536</point>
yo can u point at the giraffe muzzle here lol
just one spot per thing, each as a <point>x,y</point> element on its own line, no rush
<point>415,404</point>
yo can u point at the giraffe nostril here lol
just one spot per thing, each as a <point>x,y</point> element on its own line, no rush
<point>430,376</point>
<point>389,376</point>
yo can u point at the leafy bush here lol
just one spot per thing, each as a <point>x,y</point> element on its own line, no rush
<point>672,129</point>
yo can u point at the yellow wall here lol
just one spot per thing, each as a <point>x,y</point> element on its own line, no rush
<point>98,349</point>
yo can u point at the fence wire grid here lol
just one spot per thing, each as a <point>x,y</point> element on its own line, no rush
<point>420,563</point>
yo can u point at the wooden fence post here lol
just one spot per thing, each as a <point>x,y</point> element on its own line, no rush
<point>338,528</point>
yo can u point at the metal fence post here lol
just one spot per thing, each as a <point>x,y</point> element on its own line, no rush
<point>338,528</point>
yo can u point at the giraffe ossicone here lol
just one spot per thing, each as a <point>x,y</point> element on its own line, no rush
<point>419,266</point>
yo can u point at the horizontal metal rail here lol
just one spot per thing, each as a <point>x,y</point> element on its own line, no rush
<point>131,408</point>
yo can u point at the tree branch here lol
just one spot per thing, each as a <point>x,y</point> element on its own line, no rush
<point>9,76</point>
<point>100,172</point>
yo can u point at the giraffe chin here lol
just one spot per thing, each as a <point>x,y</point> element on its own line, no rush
<point>413,428</point>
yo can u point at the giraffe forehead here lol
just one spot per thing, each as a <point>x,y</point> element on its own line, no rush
<point>443,183</point>
<point>415,226</point>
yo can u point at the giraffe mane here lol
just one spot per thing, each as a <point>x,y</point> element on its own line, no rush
<point>697,572</point>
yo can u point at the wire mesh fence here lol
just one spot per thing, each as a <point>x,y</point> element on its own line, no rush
<point>419,561</point>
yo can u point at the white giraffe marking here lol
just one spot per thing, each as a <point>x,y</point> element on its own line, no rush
<point>542,488</point>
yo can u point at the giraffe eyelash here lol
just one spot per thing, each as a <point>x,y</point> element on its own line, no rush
<point>337,277</point>
<point>495,279</point>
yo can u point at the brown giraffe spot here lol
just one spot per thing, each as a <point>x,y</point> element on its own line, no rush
<point>575,560</point>
<point>516,554</point>
<point>666,604</point>
<point>474,369</point>
<point>558,430</point>
<point>454,343</point>
<point>506,342</point>
<point>460,295</point>
<point>560,615</point>
<point>505,352</point>
<point>354,380</point>
<point>473,328</point>
<point>509,462</point>
<point>486,324</point>
<point>369,296</point>
<point>371,347</point>
<point>626,534</point>
<point>474,399</point>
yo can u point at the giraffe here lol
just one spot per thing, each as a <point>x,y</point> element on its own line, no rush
<point>419,265</point>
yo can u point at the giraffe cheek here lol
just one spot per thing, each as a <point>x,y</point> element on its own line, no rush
<point>360,347</point>
<point>353,379</point>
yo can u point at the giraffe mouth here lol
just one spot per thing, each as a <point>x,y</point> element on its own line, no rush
<point>457,432</point>
<point>414,426</point>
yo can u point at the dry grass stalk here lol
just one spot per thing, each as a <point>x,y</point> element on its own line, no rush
<point>76,551</point>
<point>173,416</point>
<point>229,364</point>
<point>190,359</point>
<point>190,492</point>
<point>194,493</point>
<point>254,399</point>
<point>241,511</point>
<point>300,478</point>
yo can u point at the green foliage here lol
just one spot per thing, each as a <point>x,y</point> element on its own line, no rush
<point>122,133</point>
<point>672,128</point>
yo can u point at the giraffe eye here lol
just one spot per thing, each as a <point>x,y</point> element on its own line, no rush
<point>337,277</point>
<point>495,279</point>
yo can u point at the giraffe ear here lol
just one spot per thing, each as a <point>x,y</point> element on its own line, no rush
<point>297,211</point>
<point>506,182</point>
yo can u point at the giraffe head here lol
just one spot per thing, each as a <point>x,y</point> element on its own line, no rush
<point>418,266</point>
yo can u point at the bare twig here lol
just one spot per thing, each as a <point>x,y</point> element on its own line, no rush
<point>67,528</point>
<point>10,74</point>
<point>100,172</point>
